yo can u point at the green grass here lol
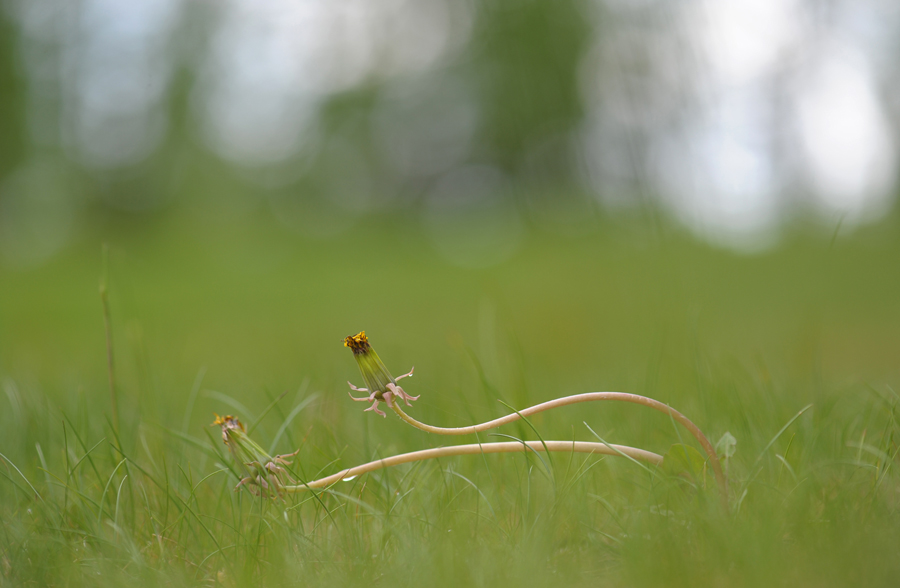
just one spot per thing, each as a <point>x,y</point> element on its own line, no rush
<point>227,317</point>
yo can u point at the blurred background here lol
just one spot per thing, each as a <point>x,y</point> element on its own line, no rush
<point>695,200</point>
<point>495,177</point>
<point>272,175</point>
<point>482,119</point>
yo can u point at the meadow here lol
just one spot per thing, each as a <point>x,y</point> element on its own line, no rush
<point>792,352</point>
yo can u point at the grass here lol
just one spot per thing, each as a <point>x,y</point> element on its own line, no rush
<point>247,318</point>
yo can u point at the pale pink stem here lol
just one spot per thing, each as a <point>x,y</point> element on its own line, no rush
<point>586,397</point>
<point>476,448</point>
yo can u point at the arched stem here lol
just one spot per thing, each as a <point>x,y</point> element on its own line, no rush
<point>478,448</point>
<point>575,399</point>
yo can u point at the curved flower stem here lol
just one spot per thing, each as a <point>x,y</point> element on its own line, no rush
<point>477,448</point>
<point>586,397</point>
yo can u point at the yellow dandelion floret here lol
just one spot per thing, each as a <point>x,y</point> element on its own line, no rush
<point>229,421</point>
<point>358,343</point>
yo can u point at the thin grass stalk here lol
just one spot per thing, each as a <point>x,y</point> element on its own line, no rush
<point>107,324</point>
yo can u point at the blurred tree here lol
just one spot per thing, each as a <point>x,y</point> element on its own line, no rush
<point>12,99</point>
<point>525,54</point>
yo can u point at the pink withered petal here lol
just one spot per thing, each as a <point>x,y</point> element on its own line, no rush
<point>374,408</point>
<point>281,458</point>
<point>398,391</point>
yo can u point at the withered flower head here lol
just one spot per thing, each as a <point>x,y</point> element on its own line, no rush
<point>262,473</point>
<point>380,384</point>
<point>358,343</point>
<point>228,422</point>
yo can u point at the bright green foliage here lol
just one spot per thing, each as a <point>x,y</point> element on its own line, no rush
<point>209,317</point>
<point>684,460</point>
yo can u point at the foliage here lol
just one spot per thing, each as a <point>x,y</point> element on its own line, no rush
<point>217,317</point>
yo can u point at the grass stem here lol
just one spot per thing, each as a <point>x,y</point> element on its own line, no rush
<point>104,299</point>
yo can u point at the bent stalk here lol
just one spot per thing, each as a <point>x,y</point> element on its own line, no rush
<point>575,399</point>
<point>475,448</point>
